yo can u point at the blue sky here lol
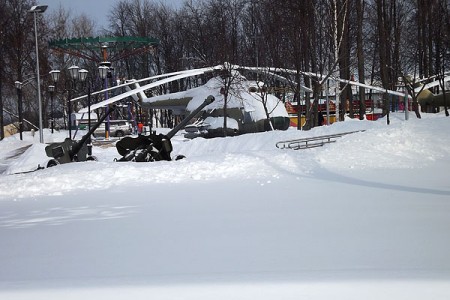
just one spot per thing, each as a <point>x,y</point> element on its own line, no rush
<point>97,9</point>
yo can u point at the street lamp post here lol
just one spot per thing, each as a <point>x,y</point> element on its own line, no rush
<point>84,78</point>
<point>73,70</point>
<point>103,70</point>
<point>18,85</point>
<point>406,100</point>
<point>34,10</point>
<point>51,88</point>
<point>82,75</point>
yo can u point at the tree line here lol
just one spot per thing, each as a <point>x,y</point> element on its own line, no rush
<point>371,41</point>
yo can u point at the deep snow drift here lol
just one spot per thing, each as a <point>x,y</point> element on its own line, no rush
<point>367,217</point>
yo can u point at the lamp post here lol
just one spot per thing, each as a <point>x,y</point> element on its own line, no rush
<point>82,74</point>
<point>34,10</point>
<point>73,70</point>
<point>406,100</point>
<point>18,85</point>
<point>103,70</point>
<point>51,89</point>
<point>84,78</point>
<point>55,77</point>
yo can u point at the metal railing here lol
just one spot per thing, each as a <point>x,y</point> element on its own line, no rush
<point>311,142</point>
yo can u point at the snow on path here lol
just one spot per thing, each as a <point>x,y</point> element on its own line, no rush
<point>366,217</point>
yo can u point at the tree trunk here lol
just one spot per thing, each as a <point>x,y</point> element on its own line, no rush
<point>2,132</point>
<point>360,56</point>
<point>384,61</point>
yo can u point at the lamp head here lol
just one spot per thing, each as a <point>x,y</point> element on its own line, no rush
<point>38,9</point>
<point>103,71</point>
<point>73,70</point>
<point>55,75</point>
<point>83,74</point>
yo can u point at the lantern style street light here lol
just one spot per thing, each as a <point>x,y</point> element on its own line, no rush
<point>83,76</point>
<point>51,89</point>
<point>73,70</point>
<point>103,70</point>
<point>55,77</point>
<point>18,85</point>
<point>35,10</point>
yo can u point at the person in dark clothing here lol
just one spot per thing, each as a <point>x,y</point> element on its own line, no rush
<point>320,119</point>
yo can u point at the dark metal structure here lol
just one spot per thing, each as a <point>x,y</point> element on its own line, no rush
<point>90,48</point>
<point>311,142</point>
<point>72,151</point>
<point>154,147</point>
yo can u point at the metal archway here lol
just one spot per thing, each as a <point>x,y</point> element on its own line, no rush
<point>92,48</point>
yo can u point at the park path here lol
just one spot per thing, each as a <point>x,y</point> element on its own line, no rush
<point>11,156</point>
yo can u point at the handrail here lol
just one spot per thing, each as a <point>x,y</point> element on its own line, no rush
<point>311,142</point>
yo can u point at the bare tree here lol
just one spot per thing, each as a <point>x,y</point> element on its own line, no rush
<point>83,26</point>
<point>4,20</point>
<point>444,92</point>
<point>360,55</point>
<point>319,40</point>
<point>230,78</point>
<point>20,55</point>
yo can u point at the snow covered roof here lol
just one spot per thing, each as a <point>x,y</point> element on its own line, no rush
<point>239,96</point>
<point>84,116</point>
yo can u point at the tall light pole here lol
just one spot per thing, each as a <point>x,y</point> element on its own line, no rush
<point>18,85</point>
<point>73,70</point>
<point>34,10</point>
<point>103,70</point>
<point>51,88</point>
<point>83,74</point>
<point>84,78</point>
<point>405,81</point>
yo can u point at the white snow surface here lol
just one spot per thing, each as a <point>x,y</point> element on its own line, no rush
<point>217,122</point>
<point>366,217</point>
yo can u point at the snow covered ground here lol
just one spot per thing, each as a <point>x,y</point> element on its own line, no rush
<point>367,217</point>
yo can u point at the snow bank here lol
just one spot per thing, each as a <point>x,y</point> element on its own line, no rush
<point>366,217</point>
